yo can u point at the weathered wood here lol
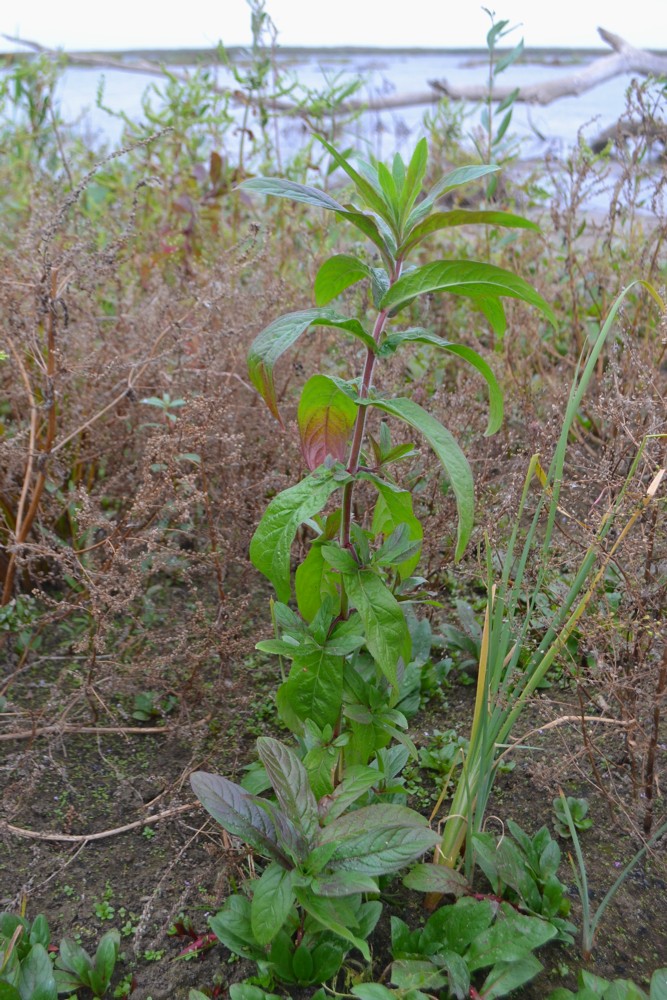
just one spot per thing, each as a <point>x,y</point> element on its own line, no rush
<point>624,59</point>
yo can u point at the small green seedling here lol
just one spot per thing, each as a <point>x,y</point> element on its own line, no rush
<point>578,812</point>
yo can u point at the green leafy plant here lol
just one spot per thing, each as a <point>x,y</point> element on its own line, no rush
<point>75,967</point>
<point>355,653</point>
<point>493,145</point>
<point>510,668</point>
<point>26,972</point>
<point>592,987</point>
<point>321,859</point>
<point>524,870</point>
<point>590,921</point>
<point>150,705</point>
<point>458,941</point>
<point>370,569</point>
<point>578,811</point>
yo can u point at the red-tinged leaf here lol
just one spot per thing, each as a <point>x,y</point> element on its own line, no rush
<point>201,944</point>
<point>326,417</point>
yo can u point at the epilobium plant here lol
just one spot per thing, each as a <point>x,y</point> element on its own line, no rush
<point>350,642</point>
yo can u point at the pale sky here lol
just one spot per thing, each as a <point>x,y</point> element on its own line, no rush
<point>80,24</point>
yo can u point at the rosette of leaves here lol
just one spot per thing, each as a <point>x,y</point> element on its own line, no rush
<point>323,858</point>
<point>76,968</point>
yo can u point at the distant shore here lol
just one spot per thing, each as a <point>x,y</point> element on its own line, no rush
<point>237,53</point>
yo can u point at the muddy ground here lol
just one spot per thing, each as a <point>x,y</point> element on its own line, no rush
<point>64,783</point>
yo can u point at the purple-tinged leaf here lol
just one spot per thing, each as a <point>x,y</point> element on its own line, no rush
<point>326,417</point>
<point>290,783</point>
<point>233,808</point>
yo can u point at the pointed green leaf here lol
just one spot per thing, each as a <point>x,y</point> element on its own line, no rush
<point>459,177</point>
<point>328,912</point>
<point>343,883</point>
<point>326,417</point>
<point>414,178</point>
<point>74,958</point>
<point>36,980</point>
<point>106,957</point>
<point>421,336</point>
<point>336,274</point>
<point>512,937</point>
<point>464,277</point>
<point>508,976</point>
<point>313,690</point>
<point>436,878</point>
<point>394,507</point>
<point>272,900</point>
<point>464,217</point>
<point>279,188</point>
<point>367,191</point>
<point>449,453</point>
<point>387,635</point>
<point>278,337</point>
<point>313,579</point>
<point>368,819</point>
<point>272,542</point>
<point>290,783</point>
<point>384,851</point>
<point>356,783</point>
<point>234,809</point>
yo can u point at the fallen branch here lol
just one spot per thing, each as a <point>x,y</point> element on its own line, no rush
<point>82,838</point>
<point>624,59</point>
<point>56,730</point>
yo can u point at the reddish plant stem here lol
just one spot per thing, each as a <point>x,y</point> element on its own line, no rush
<point>360,423</point>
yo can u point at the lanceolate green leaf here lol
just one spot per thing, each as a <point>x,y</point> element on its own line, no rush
<point>463,217</point>
<point>464,277</point>
<point>330,914</point>
<point>312,580</point>
<point>394,507</point>
<point>279,188</point>
<point>290,783</point>
<point>336,274</point>
<point>386,631</point>
<point>448,451</point>
<point>313,690</point>
<point>232,807</point>
<point>417,335</point>
<point>279,336</point>
<point>459,177</point>
<point>271,544</point>
<point>371,196</point>
<point>325,416</point>
<point>271,902</point>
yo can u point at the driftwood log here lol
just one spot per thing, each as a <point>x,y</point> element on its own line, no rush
<point>623,59</point>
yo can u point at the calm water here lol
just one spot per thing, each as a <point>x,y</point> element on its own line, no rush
<point>552,128</point>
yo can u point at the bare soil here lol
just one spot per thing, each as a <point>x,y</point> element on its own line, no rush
<point>76,784</point>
